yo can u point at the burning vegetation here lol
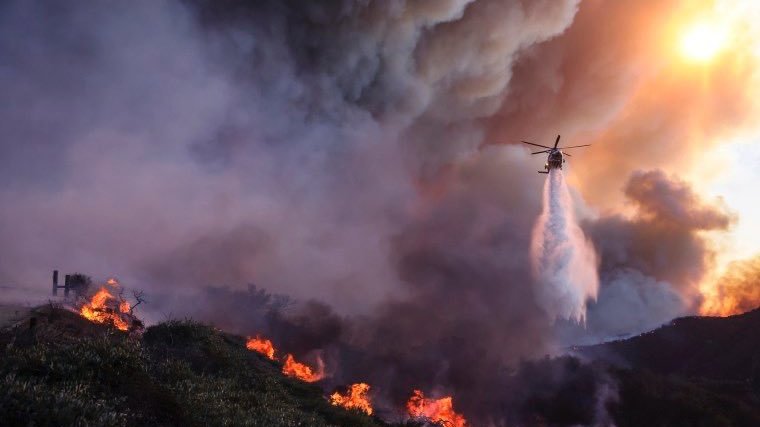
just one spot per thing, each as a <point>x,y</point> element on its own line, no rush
<point>176,373</point>
<point>303,372</point>
<point>291,367</point>
<point>108,306</point>
<point>261,345</point>
<point>439,411</point>
<point>357,397</point>
<point>735,292</point>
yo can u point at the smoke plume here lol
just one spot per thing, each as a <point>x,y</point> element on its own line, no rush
<point>653,260</point>
<point>563,260</point>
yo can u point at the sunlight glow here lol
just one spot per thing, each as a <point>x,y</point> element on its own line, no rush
<point>703,41</point>
<point>736,186</point>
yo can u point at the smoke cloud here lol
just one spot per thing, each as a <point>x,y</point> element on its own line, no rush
<point>664,238</point>
<point>564,262</point>
<point>653,261</point>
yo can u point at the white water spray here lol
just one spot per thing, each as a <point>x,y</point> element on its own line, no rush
<point>563,260</point>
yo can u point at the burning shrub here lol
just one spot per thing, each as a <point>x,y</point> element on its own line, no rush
<point>436,410</point>
<point>261,345</point>
<point>355,398</point>
<point>108,306</point>
<point>291,367</point>
<point>303,372</point>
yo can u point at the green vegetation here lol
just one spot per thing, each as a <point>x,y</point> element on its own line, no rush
<point>60,370</point>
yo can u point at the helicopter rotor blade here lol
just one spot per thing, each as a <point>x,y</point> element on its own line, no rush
<point>556,142</point>
<point>537,145</point>
<point>539,152</point>
<point>566,154</point>
<point>575,146</point>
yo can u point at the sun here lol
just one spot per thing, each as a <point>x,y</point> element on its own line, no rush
<point>703,41</point>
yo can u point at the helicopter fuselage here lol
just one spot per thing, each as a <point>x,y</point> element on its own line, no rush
<point>554,160</point>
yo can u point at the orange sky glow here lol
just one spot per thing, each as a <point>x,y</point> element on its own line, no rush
<point>705,77</point>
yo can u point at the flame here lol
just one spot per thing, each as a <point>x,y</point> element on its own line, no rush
<point>290,368</point>
<point>436,410</point>
<point>261,345</point>
<point>301,371</point>
<point>104,307</point>
<point>735,291</point>
<point>356,398</point>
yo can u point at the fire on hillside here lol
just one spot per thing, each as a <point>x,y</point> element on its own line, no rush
<point>291,367</point>
<point>439,411</point>
<point>263,346</point>
<point>356,397</point>
<point>108,306</point>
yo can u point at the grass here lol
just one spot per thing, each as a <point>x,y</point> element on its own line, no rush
<point>66,371</point>
<point>60,369</point>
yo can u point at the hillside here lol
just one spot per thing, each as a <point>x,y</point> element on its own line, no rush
<point>710,348</point>
<point>695,371</point>
<point>59,369</point>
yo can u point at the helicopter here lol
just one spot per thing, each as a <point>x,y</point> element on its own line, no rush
<point>556,156</point>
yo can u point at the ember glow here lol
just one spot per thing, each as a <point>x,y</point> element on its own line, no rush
<point>356,398</point>
<point>303,372</point>
<point>436,410</point>
<point>104,307</point>
<point>261,345</point>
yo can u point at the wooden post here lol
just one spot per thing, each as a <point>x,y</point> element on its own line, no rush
<point>55,282</point>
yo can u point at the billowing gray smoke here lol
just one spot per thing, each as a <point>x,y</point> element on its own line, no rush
<point>178,144</point>
<point>652,262</point>
<point>322,150</point>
